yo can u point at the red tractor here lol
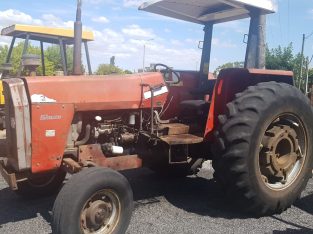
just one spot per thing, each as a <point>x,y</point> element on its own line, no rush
<point>253,123</point>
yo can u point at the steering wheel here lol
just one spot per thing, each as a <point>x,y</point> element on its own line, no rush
<point>167,73</point>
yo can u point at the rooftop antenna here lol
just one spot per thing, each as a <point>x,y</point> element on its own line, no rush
<point>77,70</point>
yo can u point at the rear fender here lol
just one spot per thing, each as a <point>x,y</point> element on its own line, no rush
<point>233,81</point>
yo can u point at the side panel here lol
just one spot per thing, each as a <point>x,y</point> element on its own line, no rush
<point>18,132</point>
<point>233,81</point>
<point>50,127</point>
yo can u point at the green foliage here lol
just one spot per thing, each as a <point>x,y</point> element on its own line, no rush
<point>128,72</point>
<point>17,54</point>
<point>228,65</point>
<point>3,53</point>
<point>280,58</point>
<point>53,60</point>
<point>284,59</point>
<point>107,69</point>
<point>52,53</point>
<point>16,58</point>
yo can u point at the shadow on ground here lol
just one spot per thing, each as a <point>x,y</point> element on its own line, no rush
<point>306,204</point>
<point>13,208</point>
<point>192,194</point>
<point>298,228</point>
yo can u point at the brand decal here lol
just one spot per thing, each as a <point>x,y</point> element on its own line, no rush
<point>40,98</point>
<point>50,117</point>
<point>156,93</point>
<point>50,133</point>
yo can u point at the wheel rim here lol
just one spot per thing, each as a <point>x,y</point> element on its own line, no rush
<point>283,152</point>
<point>101,213</point>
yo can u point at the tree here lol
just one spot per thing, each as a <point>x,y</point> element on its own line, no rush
<point>280,58</point>
<point>107,69</point>
<point>53,61</point>
<point>128,72</point>
<point>228,65</point>
<point>53,54</point>
<point>283,58</point>
<point>3,53</point>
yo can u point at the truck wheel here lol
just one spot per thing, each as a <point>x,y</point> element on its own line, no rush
<point>96,200</point>
<point>41,185</point>
<point>263,147</point>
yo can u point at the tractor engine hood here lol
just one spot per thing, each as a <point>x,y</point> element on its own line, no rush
<point>89,93</point>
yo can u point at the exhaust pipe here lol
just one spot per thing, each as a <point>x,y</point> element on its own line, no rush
<point>78,29</point>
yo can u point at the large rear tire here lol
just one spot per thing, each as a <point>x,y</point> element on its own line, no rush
<point>263,147</point>
<point>96,200</point>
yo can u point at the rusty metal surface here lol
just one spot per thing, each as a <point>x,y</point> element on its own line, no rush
<point>93,153</point>
<point>10,178</point>
<point>175,128</point>
<point>71,166</point>
<point>281,152</point>
<point>18,125</point>
<point>183,139</point>
<point>270,72</point>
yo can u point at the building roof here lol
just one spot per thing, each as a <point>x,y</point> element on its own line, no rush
<point>45,34</point>
<point>208,11</point>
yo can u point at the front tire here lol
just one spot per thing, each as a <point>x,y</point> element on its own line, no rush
<point>263,147</point>
<point>96,200</point>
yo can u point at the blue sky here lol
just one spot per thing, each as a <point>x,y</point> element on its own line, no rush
<point>121,30</point>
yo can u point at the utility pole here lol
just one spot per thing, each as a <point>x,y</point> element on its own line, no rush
<point>144,58</point>
<point>144,54</point>
<point>307,75</point>
<point>302,58</point>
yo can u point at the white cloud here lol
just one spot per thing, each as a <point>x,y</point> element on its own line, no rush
<point>133,3</point>
<point>97,2</point>
<point>235,26</point>
<point>3,43</point>
<point>136,31</point>
<point>11,16</point>
<point>223,44</point>
<point>51,20</point>
<point>100,19</point>
<point>175,42</point>
<point>126,44</point>
<point>192,41</point>
<point>50,17</point>
<point>167,30</point>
